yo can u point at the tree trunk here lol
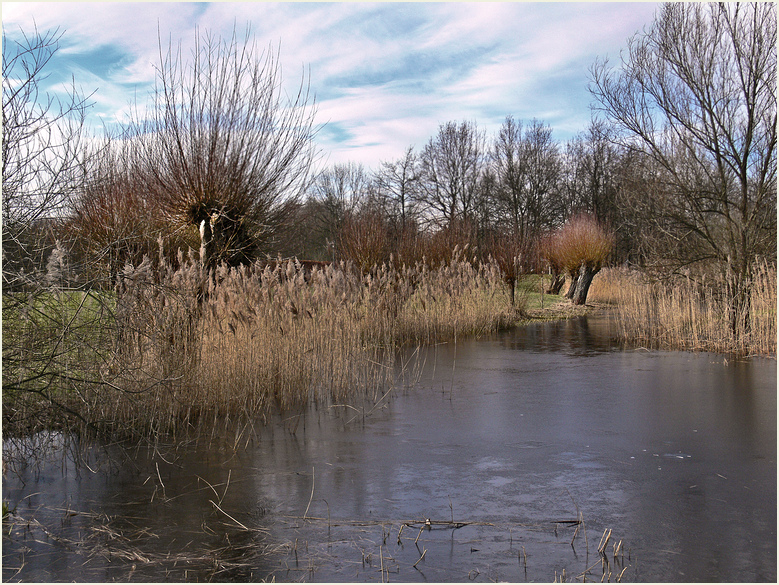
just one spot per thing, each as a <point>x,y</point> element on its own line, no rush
<point>511,283</point>
<point>739,303</point>
<point>558,280</point>
<point>207,244</point>
<point>586,274</point>
<point>574,276</point>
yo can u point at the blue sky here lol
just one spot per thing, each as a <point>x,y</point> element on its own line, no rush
<point>385,75</point>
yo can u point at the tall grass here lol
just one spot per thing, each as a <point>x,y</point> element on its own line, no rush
<point>689,314</point>
<point>190,351</point>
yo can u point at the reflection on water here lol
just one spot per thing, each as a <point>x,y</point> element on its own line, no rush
<point>501,445</point>
<point>576,336</point>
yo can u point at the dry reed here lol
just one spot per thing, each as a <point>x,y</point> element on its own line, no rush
<point>689,314</point>
<point>194,351</point>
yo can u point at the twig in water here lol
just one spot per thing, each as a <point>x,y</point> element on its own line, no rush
<point>617,547</point>
<point>212,488</point>
<point>229,474</point>
<point>313,479</point>
<point>454,363</point>
<point>583,576</point>
<point>418,535</point>
<point>604,540</point>
<point>424,550</point>
<point>328,515</point>
<point>157,465</point>
<point>228,515</point>
<point>586,540</point>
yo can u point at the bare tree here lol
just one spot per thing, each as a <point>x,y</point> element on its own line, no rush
<point>44,330</point>
<point>397,183</point>
<point>527,167</point>
<point>42,150</point>
<point>593,181</point>
<point>451,164</point>
<point>223,149</point>
<point>591,172</point>
<point>339,193</point>
<point>696,92</point>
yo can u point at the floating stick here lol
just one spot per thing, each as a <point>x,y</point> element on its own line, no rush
<point>313,479</point>
<point>604,540</point>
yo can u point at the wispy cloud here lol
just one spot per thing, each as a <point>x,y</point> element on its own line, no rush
<point>385,75</point>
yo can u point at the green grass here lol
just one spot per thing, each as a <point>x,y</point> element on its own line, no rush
<point>53,338</point>
<point>531,287</point>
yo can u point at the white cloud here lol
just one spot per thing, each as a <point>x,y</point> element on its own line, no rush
<point>386,75</point>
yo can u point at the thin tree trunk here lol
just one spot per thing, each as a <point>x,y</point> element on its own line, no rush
<point>511,282</point>
<point>558,280</point>
<point>574,276</point>
<point>739,304</point>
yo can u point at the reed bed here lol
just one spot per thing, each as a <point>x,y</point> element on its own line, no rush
<point>689,314</point>
<point>190,351</point>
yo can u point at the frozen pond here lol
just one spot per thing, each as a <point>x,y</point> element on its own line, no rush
<point>502,446</point>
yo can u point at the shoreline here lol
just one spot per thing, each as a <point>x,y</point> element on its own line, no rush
<point>561,310</point>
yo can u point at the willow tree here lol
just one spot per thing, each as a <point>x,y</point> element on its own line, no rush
<point>223,148</point>
<point>696,94</point>
<point>580,247</point>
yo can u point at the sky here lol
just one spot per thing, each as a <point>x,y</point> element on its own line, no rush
<point>385,75</point>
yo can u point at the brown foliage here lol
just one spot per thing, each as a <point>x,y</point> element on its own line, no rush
<point>364,240</point>
<point>582,241</point>
<point>113,220</point>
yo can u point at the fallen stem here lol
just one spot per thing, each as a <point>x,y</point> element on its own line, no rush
<point>313,480</point>
<point>228,515</point>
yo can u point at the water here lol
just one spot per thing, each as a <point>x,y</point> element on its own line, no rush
<point>502,445</point>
